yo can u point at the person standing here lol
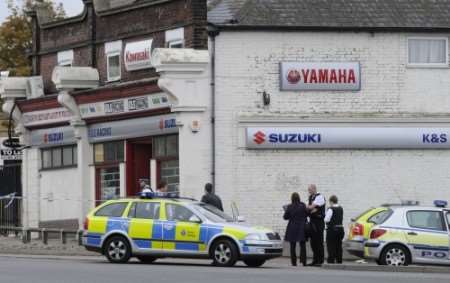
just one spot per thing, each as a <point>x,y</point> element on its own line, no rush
<point>316,207</point>
<point>211,198</point>
<point>295,213</point>
<point>162,187</point>
<point>335,230</point>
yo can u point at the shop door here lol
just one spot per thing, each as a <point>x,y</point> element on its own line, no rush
<point>138,163</point>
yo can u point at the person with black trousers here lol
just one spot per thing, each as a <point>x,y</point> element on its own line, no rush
<point>335,231</point>
<point>316,208</point>
<point>295,213</point>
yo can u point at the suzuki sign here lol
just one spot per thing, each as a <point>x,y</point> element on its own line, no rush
<point>137,55</point>
<point>320,76</point>
<point>347,138</point>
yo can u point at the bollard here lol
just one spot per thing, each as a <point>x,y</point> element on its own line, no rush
<point>63,237</point>
<point>26,236</point>
<point>44,236</point>
<point>80,237</point>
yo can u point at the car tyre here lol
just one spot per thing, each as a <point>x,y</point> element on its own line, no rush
<point>395,255</point>
<point>224,253</point>
<point>146,259</point>
<point>254,262</point>
<point>117,249</point>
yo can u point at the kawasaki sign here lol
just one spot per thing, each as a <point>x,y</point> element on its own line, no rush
<point>347,137</point>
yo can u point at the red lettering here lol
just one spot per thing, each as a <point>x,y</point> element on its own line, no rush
<point>323,76</point>
<point>333,78</point>
<point>305,75</point>
<point>343,76</point>
<point>351,76</point>
<point>313,78</point>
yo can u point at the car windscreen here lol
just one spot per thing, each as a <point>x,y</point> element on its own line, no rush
<point>213,214</point>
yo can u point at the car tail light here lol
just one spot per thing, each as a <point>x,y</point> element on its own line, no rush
<point>86,224</point>
<point>376,233</point>
<point>358,230</point>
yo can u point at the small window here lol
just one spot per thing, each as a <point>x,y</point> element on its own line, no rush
<point>59,157</point>
<point>175,212</point>
<point>425,220</point>
<point>109,152</point>
<point>428,52</point>
<point>175,38</point>
<point>65,58</point>
<point>113,62</point>
<point>145,210</point>
<point>165,146</point>
<point>380,217</point>
<point>112,210</point>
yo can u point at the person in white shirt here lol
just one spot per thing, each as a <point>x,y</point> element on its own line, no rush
<point>335,231</point>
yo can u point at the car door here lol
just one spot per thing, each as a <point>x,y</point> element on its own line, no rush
<point>145,228</point>
<point>427,236</point>
<point>181,230</point>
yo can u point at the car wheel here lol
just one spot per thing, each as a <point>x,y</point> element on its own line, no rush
<point>254,262</point>
<point>224,253</point>
<point>146,259</point>
<point>117,249</point>
<point>394,255</point>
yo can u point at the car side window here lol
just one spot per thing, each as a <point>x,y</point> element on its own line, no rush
<point>175,212</point>
<point>380,217</point>
<point>112,210</point>
<point>425,220</point>
<point>146,210</point>
<point>448,219</point>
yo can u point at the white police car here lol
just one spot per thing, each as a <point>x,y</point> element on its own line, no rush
<point>410,235</point>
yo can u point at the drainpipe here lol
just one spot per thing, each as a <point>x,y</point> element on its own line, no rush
<point>213,32</point>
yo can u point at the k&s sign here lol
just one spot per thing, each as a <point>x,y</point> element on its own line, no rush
<point>320,76</point>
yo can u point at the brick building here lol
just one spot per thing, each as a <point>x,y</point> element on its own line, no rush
<point>94,120</point>
<point>365,138</point>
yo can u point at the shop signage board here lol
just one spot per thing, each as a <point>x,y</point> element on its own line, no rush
<point>98,109</point>
<point>126,105</point>
<point>53,137</point>
<point>314,76</point>
<point>7,153</point>
<point>137,55</point>
<point>347,138</point>
<point>140,127</point>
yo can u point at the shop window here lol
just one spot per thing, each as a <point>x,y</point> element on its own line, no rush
<point>109,183</point>
<point>175,38</point>
<point>109,152</point>
<point>428,52</point>
<point>59,157</point>
<point>165,146</point>
<point>170,173</point>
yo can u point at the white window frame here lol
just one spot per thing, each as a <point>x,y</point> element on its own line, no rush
<point>65,58</point>
<point>175,36</point>
<point>427,65</point>
<point>117,78</point>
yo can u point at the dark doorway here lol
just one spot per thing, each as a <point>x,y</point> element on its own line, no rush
<point>139,154</point>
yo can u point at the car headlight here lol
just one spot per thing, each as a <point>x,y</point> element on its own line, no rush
<point>256,237</point>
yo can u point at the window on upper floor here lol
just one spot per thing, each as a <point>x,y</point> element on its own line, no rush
<point>65,58</point>
<point>113,51</point>
<point>428,52</point>
<point>175,38</point>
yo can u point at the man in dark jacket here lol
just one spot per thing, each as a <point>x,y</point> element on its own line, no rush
<point>211,198</point>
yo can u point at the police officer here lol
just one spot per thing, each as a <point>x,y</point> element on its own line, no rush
<point>335,230</point>
<point>316,207</point>
<point>211,198</point>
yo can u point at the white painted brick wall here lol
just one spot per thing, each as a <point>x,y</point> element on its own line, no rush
<point>261,181</point>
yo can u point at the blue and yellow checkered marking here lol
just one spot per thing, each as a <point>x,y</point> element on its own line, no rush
<point>94,240</point>
<point>117,224</point>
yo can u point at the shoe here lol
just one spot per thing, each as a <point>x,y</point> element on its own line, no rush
<point>293,264</point>
<point>311,264</point>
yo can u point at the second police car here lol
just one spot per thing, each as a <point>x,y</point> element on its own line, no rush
<point>149,229</point>
<point>412,234</point>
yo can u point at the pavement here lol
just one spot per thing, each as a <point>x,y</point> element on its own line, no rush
<point>49,269</point>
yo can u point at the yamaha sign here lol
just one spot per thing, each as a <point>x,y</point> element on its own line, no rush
<point>320,76</point>
<point>347,138</point>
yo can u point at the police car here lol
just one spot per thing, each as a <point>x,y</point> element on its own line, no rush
<point>153,228</point>
<point>412,234</point>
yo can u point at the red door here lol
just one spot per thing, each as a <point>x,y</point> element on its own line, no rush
<point>139,154</point>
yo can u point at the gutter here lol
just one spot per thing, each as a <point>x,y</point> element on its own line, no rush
<point>212,33</point>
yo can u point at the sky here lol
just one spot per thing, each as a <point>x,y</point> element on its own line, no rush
<point>72,7</point>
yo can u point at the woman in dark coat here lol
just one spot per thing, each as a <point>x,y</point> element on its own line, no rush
<point>295,231</point>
